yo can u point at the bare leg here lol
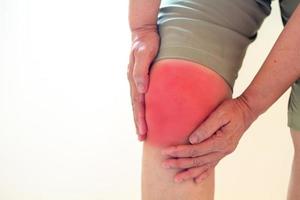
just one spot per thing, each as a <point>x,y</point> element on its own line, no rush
<point>181,94</point>
<point>294,185</point>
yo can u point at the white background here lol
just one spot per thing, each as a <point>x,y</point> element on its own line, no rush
<point>66,125</point>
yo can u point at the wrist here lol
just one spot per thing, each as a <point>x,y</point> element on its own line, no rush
<point>252,101</point>
<point>140,31</point>
<point>251,111</point>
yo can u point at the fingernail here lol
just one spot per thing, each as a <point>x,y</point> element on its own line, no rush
<point>140,87</point>
<point>141,137</point>
<point>178,180</point>
<point>193,139</point>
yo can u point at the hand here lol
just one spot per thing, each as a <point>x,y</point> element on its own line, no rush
<point>145,45</point>
<point>215,138</point>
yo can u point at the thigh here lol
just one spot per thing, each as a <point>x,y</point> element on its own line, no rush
<point>294,107</point>
<point>213,33</point>
<point>180,96</point>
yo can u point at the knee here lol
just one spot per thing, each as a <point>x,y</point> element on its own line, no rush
<point>180,96</point>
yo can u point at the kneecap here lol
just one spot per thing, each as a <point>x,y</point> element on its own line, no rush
<point>180,96</point>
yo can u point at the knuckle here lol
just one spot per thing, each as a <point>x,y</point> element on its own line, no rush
<point>207,166</point>
<point>138,76</point>
<point>142,50</point>
<point>193,152</point>
<point>177,163</point>
<point>231,149</point>
<point>189,173</point>
<point>220,141</point>
<point>197,162</point>
<point>176,151</point>
<point>219,133</point>
<point>137,99</point>
<point>222,116</point>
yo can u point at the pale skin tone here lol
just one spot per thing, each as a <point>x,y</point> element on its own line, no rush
<point>225,126</point>
<point>157,182</point>
<point>293,190</point>
<point>219,135</point>
<point>145,45</point>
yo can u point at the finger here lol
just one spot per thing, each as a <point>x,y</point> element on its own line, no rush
<point>130,79</point>
<point>142,137</point>
<point>184,163</point>
<point>207,128</point>
<point>130,67</point>
<point>190,173</point>
<point>203,175</point>
<point>137,101</point>
<point>181,151</point>
<point>139,110</point>
<point>138,98</point>
<point>141,68</point>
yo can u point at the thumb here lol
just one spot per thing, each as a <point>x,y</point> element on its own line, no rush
<point>215,121</point>
<point>141,69</point>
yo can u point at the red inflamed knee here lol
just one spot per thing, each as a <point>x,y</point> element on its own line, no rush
<point>180,96</point>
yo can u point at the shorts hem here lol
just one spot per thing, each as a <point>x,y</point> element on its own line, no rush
<point>198,56</point>
<point>293,123</point>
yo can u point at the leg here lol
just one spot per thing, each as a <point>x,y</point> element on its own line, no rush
<point>181,94</point>
<point>287,8</point>
<point>294,185</point>
<point>294,124</point>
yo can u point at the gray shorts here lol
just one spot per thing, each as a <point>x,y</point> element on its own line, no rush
<point>216,34</point>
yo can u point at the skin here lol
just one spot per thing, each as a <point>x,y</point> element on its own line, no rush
<point>157,182</point>
<point>172,108</point>
<point>293,191</point>
<point>145,44</point>
<point>222,130</point>
<point>180,96</point>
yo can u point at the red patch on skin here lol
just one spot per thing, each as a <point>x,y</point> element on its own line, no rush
<point>180,96</point>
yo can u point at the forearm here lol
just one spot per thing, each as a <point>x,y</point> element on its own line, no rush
<point>143,14</point>
<point>279,71</point>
